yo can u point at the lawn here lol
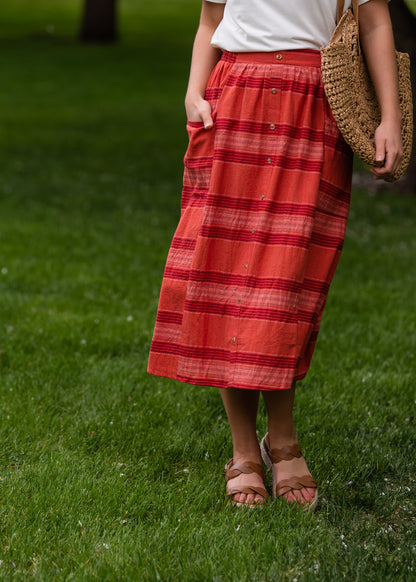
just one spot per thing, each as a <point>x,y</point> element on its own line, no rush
<point>107,473</point>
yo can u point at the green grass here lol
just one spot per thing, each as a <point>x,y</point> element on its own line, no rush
<point>107,473</point>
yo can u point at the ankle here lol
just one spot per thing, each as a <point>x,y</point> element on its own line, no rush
<point>247,454</point>
<point>281,438</point>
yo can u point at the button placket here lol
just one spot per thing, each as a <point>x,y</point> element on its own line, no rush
<point>272,126</point>
<point>248,268</point>
<point>273,106</point>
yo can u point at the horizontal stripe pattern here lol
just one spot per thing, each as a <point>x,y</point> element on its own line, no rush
<point>241,235</point>
<point>270,206</point>
<point>252,128</point>
<point>267,159</point>
<point>224,355</point>
<point>265,202</point>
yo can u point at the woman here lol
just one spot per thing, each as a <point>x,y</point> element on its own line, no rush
<point>264,210</point>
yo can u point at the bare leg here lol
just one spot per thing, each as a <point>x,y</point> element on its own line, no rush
<point>241,408</point>
<point>282,432</point>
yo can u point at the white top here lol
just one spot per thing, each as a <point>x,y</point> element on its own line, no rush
<point>269,25</point>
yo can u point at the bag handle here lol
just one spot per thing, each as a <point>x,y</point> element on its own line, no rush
<point>340,9</point>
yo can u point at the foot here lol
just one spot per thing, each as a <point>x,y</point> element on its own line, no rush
<point>290,469</point>
<point>245,483</point>
<point>292,479</point>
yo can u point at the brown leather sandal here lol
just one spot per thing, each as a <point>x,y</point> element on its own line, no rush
<point>234,470</point>
<point>294,483</point>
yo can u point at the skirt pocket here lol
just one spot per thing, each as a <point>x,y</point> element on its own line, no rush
<point>198,163</point>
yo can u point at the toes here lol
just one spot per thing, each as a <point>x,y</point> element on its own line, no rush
<point>307,494</point>
<point>296,496</point>
<point>250,499</point>
<point>311,493</point>
<point>249,483</point>
<point>303,496</point>
<point>239,497</point>
<point>244,499</point>
<point>254,499</point>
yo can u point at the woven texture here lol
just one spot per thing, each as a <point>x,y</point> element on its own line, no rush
<point>264,210</point>
<point>352,97</point>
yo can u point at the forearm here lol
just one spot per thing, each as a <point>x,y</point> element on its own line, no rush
<point>204,59</point>
<point>376,37</point>
<point>377,41</point>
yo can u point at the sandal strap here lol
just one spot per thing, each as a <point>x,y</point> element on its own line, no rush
<point>233,470</point>
<point>286,453</point>
<point>247,490</point>
<point>295,483</point>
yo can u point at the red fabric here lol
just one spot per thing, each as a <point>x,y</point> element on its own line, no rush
<point>264,210</point>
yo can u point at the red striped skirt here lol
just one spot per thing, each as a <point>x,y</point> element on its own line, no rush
<point>264,210</point>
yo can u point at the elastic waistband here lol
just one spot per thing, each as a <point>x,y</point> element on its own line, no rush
<point>302,57</point>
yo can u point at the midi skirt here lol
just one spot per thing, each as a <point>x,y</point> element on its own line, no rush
<point>264,209</point>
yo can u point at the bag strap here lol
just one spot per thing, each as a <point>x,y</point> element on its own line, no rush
<point>340,9</point>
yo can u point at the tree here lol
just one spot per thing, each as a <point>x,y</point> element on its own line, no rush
<point>99,21</point>
<point>404,24</point>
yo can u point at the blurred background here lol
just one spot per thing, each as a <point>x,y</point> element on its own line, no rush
<point>92,137</point>
<point>84,108</point>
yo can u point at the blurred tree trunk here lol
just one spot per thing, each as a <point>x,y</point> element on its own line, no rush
<point>404,24</point>
<point>99,21</point>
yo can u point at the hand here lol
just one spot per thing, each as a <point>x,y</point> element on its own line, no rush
<point>389,151</point>
<point>198,109</point>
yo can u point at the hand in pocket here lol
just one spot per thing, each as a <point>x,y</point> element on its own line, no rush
<point>199,110</point>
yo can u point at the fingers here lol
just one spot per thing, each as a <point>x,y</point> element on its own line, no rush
<point>380,150</point>
<point>207,119</point>
<point>389,152</point>
<point>199,110</point>
<point>205,114</point>
<point>390,165</point>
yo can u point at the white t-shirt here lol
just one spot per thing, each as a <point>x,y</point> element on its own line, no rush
<point>269,25</point>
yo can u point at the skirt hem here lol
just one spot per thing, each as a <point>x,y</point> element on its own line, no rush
<point>224,385</point>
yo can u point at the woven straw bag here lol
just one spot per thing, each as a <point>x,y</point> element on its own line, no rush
<point>351,94</point>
